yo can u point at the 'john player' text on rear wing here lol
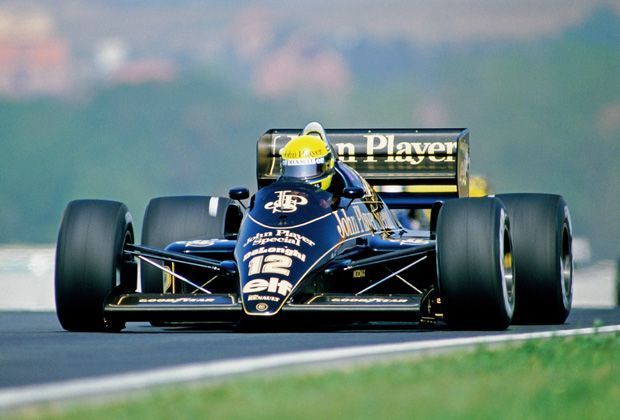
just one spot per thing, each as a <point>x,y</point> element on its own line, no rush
<point>408,167</point>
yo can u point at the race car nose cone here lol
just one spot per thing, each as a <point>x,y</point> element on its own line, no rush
<point>265,297</point>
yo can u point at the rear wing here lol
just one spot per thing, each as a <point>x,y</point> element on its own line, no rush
<point>410,168</point>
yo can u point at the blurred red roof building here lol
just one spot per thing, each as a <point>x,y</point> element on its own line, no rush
<point>34,61</point>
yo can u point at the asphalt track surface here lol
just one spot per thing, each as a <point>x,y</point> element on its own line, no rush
<point>34,349</point>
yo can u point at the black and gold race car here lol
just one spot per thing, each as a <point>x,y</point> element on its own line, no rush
<point>301,253</point>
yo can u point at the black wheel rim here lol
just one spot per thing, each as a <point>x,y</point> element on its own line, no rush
<point>507,270</point>
<point>566,266</point>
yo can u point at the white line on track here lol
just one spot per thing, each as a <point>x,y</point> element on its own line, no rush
<point>114,384</point>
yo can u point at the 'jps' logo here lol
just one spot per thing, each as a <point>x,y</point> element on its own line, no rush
<point>287,202</point>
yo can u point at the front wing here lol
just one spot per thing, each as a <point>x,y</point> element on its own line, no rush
<point>365,305</point>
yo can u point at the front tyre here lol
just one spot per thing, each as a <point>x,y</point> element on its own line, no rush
<point>169,219</point>
<point>90,262</point>
<point>474,263</point>
<point>542,241</point>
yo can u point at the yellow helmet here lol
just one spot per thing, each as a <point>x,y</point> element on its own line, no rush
<point>308,158</point>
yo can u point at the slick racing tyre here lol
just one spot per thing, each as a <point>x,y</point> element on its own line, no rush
<point>542,249</point>
<point>184,218</point>
<point>90,262</point>
<point>474,263</point>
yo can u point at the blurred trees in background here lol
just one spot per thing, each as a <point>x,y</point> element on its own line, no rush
<point>543,116</point>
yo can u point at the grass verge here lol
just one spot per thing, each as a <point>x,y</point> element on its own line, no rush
<point>559,378</point>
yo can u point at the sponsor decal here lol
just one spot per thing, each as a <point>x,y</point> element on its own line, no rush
<point>264,297</point>
<point>305,153</point>
<point>387,148</point>
<point>272,263</point>
<point>200,243</point>
<point>367,220</point>
<point>391,150</point>
<point>347,225</point>
<point>275,250</point>
<point>273,285</point>
<point>303,161</point>
<point>286,202</point>
<point>278,236</point>
<point>413,241</point>
<point>361,221</point>
<point>368,300</point>
<point>262,306</point>
<point>177,300</point>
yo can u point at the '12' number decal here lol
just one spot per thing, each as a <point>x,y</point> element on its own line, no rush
<point>274,263</point>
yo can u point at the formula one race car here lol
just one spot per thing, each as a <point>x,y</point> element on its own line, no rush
<point>299,252</point>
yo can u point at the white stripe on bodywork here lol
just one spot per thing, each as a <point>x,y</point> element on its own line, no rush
<point>213,203</point>
<point>289,227</point>
<point>114,384</point>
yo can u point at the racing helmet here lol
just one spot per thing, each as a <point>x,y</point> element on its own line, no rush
<point>308,158</point>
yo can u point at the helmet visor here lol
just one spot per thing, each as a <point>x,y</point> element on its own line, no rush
<point>304,168</point>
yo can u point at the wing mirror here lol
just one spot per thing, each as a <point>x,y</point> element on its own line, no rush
<point>353,192</point>
<point>238,194</point>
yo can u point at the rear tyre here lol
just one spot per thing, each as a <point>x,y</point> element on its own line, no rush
<point>542,248</point>
<point>474,264</point>
<point>90,262</point>
<point>169,219</point>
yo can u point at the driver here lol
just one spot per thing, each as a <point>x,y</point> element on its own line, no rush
<point>309,157</point>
